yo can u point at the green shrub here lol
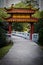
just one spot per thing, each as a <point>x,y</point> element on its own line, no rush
<point>2,37</point>
<point>40,41</point>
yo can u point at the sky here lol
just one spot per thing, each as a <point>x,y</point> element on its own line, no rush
<point>14,1</point>
<point>7,3</point>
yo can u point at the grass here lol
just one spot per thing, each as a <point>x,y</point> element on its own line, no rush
<point>4,50</point>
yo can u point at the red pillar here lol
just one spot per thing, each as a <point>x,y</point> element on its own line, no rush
<point>32,30</point>
<point>10,27</point>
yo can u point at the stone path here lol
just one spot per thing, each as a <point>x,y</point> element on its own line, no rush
<point>23,52</point>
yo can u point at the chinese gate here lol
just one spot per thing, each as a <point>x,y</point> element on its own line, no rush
<point>21,15</point>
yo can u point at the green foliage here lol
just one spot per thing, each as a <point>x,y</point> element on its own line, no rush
<point>3,14</point>
<point>37,14</point>
<point>20,5</point>
<point>25,4</point>
<point>20,26</point>
<point>40,41</point>
<point>41,14</point>
<point>39,27</point>
<point>2,35</point>
<point>17,26</point>
<point>4,50</point>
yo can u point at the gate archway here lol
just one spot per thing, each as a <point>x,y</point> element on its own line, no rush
<point>21,15</point>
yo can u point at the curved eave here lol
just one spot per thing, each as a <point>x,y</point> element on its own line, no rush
<point>20,10</point>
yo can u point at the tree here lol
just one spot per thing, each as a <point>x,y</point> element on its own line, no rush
<point>39,28</point>
<point>31,4</point>
<point>39,24</point>
<point>17,26</point>
<point>2,27</point>
<point>20,26</point>
<point>20,5</point>
<point>40,41</point>
<point>27,4</point>
<point>2,36</point>
<point>3,14</point>
<point>41,14</point>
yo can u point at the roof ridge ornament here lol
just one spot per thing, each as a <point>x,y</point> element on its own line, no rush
<point>12,5</point>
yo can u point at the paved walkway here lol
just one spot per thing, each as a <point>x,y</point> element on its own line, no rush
<point>23,52</point>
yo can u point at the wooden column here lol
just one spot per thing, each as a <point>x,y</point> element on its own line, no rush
<point>32,30</point>
<point>10,27</point>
